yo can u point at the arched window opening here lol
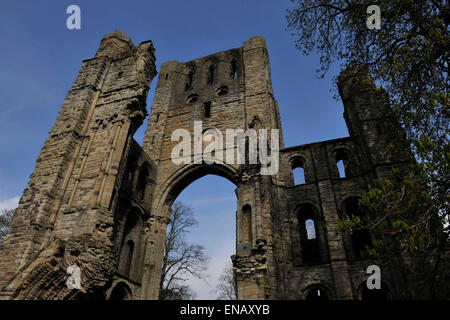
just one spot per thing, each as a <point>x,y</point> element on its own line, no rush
<point>298,171</point>
<point>311,252</point>
<point>222,90</point>
<point>246,224</point>
<point>233,69</point>
<point>316,293</point>
<point>192,98</point>
<point>342,163</point>
<point>211,75</point>
<point>120,292</point>
<point>129,257</point>
<point>360,238</point>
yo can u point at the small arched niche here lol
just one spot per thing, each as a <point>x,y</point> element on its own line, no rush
<point>192,98</point>
<point>223,90</point>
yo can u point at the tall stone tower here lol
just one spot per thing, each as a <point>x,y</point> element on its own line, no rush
<point>100,203</point>
<point>226,90</point>
<point>66,215</point>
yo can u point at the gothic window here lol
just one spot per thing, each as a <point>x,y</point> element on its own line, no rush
<point>298,171</point>
<point>246,224</point>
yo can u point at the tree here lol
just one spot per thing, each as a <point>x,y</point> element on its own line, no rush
<point>180,258</point>
<point>226,287</point>
<point>6,216</point>
<point>409,57</point>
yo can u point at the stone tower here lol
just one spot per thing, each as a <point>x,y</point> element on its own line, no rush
<point>99,202</point>
<point>66,214</point>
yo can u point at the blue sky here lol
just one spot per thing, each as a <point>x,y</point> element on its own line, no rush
<point>40,58</point>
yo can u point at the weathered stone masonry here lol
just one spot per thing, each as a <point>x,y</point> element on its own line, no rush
<point>100,201</point>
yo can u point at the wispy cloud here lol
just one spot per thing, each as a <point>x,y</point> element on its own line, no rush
<point>9,203</point>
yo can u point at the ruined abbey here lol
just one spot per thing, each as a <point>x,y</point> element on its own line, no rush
<point>99,201</point>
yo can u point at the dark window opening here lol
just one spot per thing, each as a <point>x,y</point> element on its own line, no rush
<point>157,117</point>
<point>142,181</point>
<point>246,224</point>
<point>192,98</point>
<point>207,109</point>
<point>167,76</point>
<point>316,293</point>
<point>211,75</point>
